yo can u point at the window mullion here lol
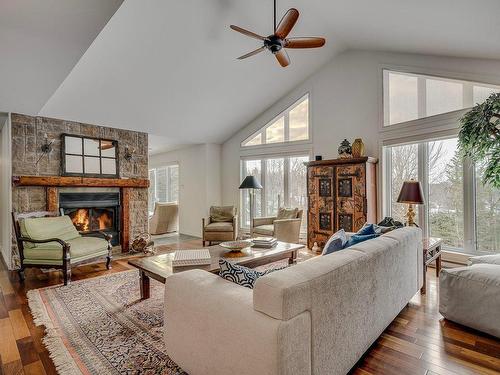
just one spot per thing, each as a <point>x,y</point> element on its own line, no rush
<point>286,190</point>
<point>470,240</point>
<point>423,177</point>
<point>263,202</point>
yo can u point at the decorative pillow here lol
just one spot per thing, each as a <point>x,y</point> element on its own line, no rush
<point>378,228</point>
<point>241,275</point>
<point>335,243</point>
<point>222,213</point>
<point>287,213</point>
<point>367,232</point>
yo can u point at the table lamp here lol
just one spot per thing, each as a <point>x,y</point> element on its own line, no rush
<point>411,193</point>
<point>251,183</point>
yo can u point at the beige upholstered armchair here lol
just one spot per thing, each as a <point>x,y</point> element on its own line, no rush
<point>221,225</point>
<point>284,227</point>
<point>165,218</point>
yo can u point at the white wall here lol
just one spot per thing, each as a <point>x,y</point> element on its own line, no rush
<point>346,102</point>
<point>199,182</point>
<point>5,189</point>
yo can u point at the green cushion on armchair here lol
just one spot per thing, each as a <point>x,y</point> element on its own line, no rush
<point>81,248</point>
<point>42,228</point>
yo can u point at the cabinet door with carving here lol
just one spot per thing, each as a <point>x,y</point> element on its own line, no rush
<point>350,199</point>
<point>321,188</point>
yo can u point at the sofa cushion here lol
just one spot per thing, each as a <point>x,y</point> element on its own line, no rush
<point>267,230</point>
<point>222,213</point>
<point>219,227</point>
<point>80,247</point>
<point>287,213</point>
<point>335,243</point>
<point>471,296</point>
<point>488,259</point>
<point>241,275</point>
<point>42,228</point>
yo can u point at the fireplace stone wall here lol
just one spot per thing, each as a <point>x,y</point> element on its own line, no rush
<point>27,139</point>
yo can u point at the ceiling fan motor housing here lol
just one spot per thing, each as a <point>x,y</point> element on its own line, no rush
<point>273,43</point>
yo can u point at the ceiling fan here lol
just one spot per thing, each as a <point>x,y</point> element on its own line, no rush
<point>278,41</point>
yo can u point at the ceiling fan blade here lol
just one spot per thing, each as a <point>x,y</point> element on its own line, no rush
<point>304,42</point>
<point>282,57</point>
<point>287,22</point>
<point>258,50</point>
<point>246,32</point>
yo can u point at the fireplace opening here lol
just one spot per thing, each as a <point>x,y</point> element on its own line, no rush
<point>93,212</point>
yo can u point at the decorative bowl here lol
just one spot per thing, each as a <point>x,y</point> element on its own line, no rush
<point>236,245</point>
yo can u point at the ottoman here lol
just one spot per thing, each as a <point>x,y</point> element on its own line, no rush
<point>471,296</point>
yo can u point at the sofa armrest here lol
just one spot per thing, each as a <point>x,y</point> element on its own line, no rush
<point>258,221</point>
<point>202,309</point>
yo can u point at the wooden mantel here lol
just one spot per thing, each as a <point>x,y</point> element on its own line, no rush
<point>79,181</point>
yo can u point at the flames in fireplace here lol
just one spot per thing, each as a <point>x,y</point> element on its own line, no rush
<point>81,219</point>
<point>100,219</point>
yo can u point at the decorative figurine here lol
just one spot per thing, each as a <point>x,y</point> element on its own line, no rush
<point>345,150</point>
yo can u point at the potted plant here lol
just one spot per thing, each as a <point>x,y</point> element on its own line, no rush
<point>479,137</point>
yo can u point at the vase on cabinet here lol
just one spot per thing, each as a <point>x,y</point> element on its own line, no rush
<point>358,148</point>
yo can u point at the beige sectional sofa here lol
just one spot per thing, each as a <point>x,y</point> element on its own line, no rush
<point>317,317</point>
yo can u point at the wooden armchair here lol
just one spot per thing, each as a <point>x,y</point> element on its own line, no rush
<point>47,240</point>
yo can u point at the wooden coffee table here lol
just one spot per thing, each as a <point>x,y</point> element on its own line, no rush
<point>159,267</point>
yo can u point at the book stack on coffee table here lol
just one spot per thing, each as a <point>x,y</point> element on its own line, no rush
<point>264,242</point>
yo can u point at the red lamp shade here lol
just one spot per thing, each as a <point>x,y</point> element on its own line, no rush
<point>411,193</point>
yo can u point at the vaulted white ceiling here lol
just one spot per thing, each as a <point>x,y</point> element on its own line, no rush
<point>40,42</point>
<point>169,68</point>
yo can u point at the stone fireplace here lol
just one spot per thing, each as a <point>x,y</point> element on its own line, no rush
<point>117,205</point>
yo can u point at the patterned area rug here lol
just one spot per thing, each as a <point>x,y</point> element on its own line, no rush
<point>100,326</point>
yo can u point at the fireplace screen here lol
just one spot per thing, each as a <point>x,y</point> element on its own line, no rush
<point>93,212</point>
<point>91,219</point>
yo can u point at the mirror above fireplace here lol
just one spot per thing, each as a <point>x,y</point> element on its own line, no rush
<point>89,157</point>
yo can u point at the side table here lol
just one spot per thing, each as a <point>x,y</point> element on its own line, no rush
<point>432,252</point>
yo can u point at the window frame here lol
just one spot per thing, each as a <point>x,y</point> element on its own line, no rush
<point>169,193</point>
<point>285,113</point>
<point>468,81</point>
<point>286,171</point>
<point>426,129</point>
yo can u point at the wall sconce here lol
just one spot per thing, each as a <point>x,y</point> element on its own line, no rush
<point>129,153</point>
<point>46,147</point>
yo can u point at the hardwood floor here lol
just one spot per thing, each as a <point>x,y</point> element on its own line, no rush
<point>419,341</point>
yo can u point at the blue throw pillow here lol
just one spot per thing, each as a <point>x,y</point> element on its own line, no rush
<point>241,275</point>
<point>335,243</point>
<point>367,232</point>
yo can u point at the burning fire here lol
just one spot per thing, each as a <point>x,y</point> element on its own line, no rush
<point>105,221</point>
<point>81,219</point>
<point>99,220</point>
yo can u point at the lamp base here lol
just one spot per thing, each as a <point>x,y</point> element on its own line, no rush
<point>410,217</point>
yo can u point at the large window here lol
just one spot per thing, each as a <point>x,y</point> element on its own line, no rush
<point>284,181</point>
<point>458,207</point>
<point>448,183</point>
<point>291,125</point>
<point>413,96</point>
<point>164,185</point>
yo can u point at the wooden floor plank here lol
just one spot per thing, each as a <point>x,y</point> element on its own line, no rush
<point>18,324</point>
<point>35,368</point>
<point>8,346</point>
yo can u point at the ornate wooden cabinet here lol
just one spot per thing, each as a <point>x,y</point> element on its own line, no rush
<point>342,194</point>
